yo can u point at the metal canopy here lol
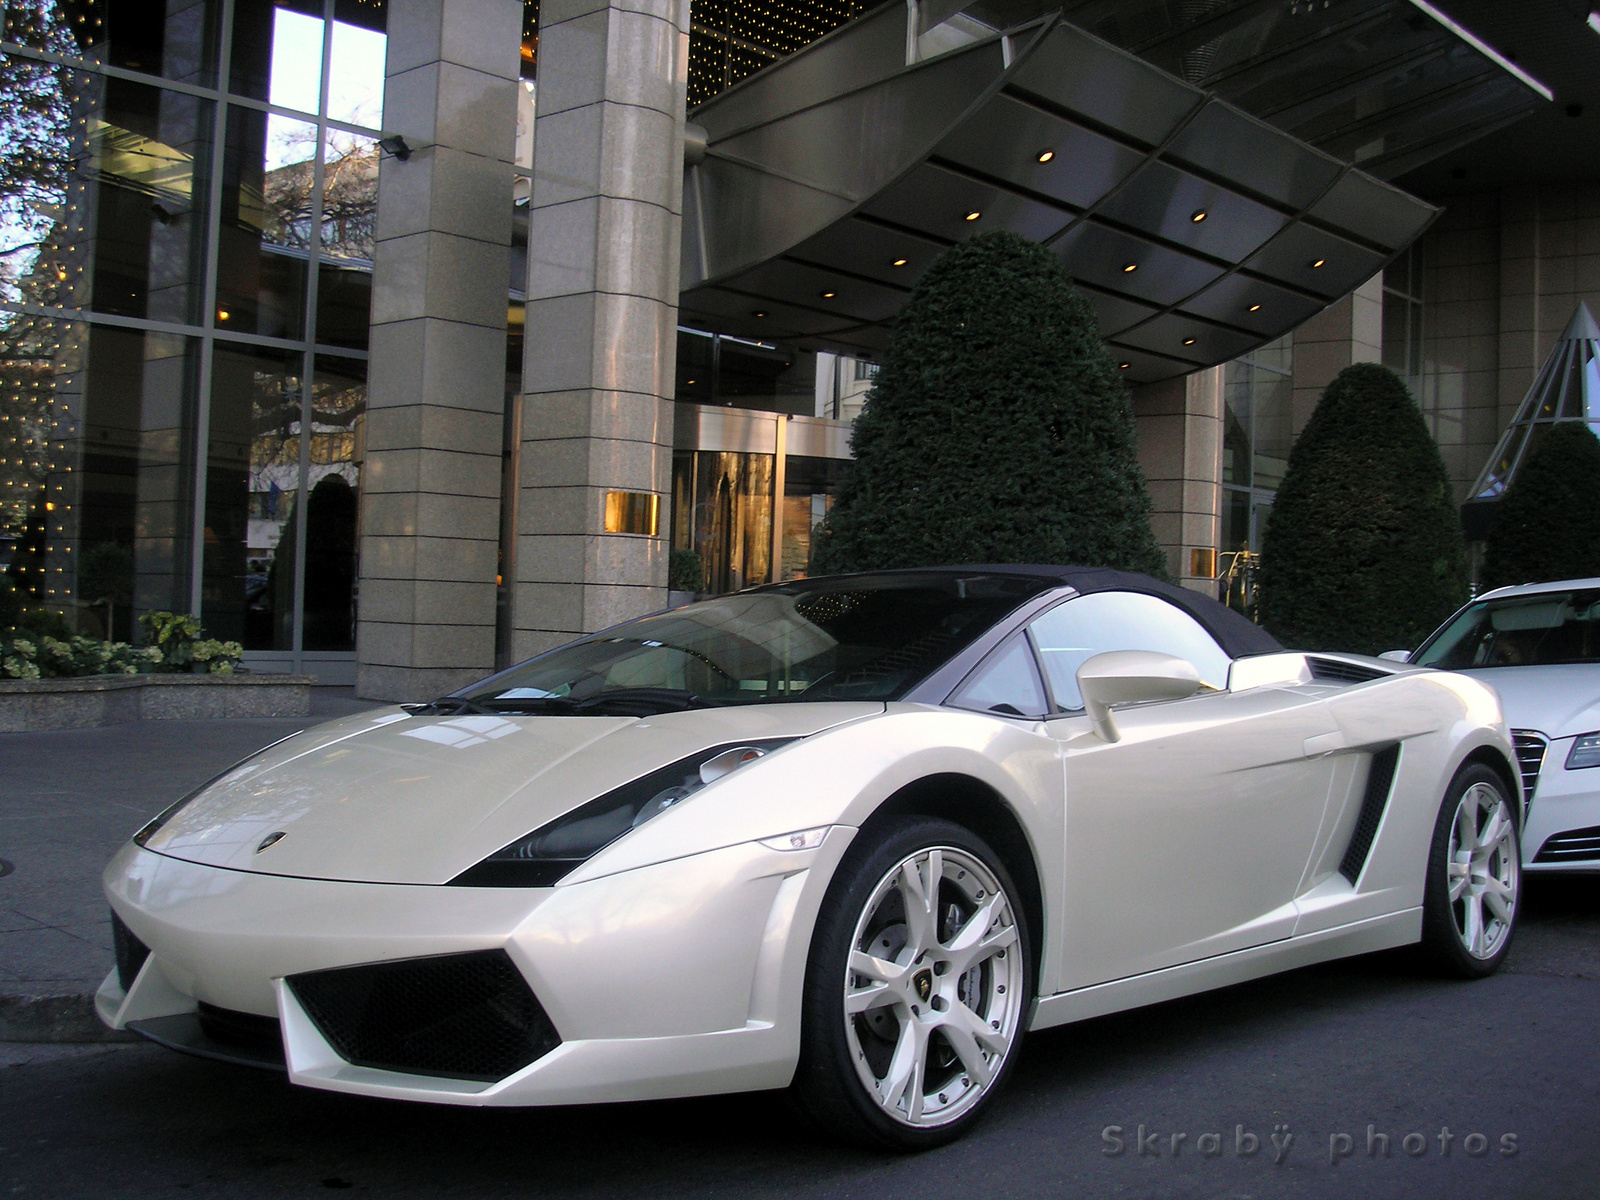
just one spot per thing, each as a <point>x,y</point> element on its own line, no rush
<point>831,181</point>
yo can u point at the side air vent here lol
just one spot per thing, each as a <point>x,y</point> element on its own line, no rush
<point>1575,845</point>
<point>1336,670</point>
<point>130,952</point>
<point>1530,758</point>
<point>459,1016</point>
<point>1380,780</point>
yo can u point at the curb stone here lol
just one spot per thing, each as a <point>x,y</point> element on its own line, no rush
<point>60,1018</point>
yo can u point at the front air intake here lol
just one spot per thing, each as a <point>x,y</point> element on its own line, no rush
<point>130,952</point>
<point>1530,759</point>
<point>459,1016</point>
<point>1337,670</point>
<point>1573,846</point>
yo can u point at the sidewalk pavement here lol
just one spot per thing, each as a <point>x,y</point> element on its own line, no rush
<point>68,801</point>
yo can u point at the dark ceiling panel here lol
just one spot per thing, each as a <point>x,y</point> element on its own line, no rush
<point>1193,212</point>
<point>1250,304</point>
<point>1112,312</point>
<point>1007,137</point>
<point>1184,337</point>
<point>848,299</point>
<point>1140,366</point>
<point>1374,210</point>
<point>1160,276</point>
<point>863,248</point>
<point>1317,261</point>
<point>1224,141</point>
<point>939,202</point>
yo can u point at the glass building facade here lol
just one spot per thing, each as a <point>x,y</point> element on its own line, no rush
<point>1257,432</point>
<point>186,226</point>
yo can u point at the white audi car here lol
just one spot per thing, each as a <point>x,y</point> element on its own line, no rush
<point>850,835</point>
<point>1539,646</point>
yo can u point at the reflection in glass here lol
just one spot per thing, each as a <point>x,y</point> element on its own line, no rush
<point>266,224</point>
<point>102,193</point>
<point>95,478</point>
<point>355,66</point>
<point>176,40</point>
<point>349,210</point>
<point>277,52</point>
<point>252,483</point>
<point>338,409</point>
<point>722,509</point>
<point>809,487</point>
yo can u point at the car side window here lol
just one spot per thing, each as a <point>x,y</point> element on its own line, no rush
<point>1073,632</point>
<point>1006,683</point>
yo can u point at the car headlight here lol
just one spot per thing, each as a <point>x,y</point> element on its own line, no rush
<point>552,851</point>
<point>167,813</point>
<point>1585,752</point>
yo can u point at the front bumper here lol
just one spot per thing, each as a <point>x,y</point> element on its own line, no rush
<point>681,978</point>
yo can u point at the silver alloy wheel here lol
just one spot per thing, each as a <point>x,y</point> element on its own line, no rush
<point>1483,869</point>
<point>934,988</point>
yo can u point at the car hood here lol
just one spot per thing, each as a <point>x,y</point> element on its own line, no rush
<point>1557,701</point>
<point>387,797</point>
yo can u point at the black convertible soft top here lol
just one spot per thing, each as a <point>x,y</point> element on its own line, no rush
<point>1236,635</point>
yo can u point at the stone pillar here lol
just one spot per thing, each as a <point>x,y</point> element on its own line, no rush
<point>1347,331</point>
<point>1180,453</point>
<point>600,338</point>
<point>431,480</point>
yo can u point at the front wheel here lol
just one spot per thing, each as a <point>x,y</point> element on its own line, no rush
<point>1469,908</point>
<point>916,990</point>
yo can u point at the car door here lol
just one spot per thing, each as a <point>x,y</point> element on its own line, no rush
<point>1189,836</point>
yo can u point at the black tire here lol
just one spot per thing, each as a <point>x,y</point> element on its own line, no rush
<point>828,1085</point>
<point>1446,930</point>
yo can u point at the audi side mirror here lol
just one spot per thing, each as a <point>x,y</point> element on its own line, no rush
<point>1396,655</point>
<point>1131,677</point>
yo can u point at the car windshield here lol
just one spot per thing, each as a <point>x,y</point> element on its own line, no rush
<point>847,638</point>
<point>1519,631</point>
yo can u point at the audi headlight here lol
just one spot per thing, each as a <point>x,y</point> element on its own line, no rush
<point>551,852</point>
<point>1585,752</point>
<point>167,813</point>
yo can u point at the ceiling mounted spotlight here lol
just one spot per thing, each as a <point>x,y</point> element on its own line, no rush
<point>1188,341</point>
<point>1255,308</point>
<point>973,215</point>
<point>1318,263</point>
<point>828,295</point>
<point>1198,216</point>
<point>1124,366</point>
<point>1129,268</point>
<point>899,262</point>
<point>1046,155</point>
<point>758,314</point>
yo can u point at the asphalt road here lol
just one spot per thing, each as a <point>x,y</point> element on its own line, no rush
<point>1310,1056</point>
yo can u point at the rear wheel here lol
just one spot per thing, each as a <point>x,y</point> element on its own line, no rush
<point>916,990</point>
<point>1469,910</point>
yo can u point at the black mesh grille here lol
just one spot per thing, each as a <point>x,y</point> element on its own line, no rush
<point>462,1016</point>
<point>1334,670</point>
<point>1575,845</point>
<point>130,951</point>
<point>240,1029</point>
<point>1380,779</point>
<point>1530,758</point>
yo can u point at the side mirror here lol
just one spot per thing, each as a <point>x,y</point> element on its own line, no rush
<point>1396,655</point>
<point>1131,677</point>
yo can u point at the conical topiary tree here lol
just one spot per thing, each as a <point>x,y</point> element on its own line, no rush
<point>1363,552</point>
<point>1548,525</point>
<point>998,430</point>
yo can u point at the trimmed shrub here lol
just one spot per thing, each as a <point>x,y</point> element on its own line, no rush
<point>1548,525</point>
<point>1363,552</point>
<point>998,430</point>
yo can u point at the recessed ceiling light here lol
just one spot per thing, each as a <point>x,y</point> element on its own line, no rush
<point>223,314</point>
<point>1198,216</point>
<point>1255,308</point>
<point>691,381</point>
<point>973,215</point>
<point>1046,155</point>
<point>1318,263</point>
<point>1129,268</point>
<point>1124,366</point>
<point>1188,341</point>
<point>759,314</point>
<point>827,295</point>
<point>899,262</point>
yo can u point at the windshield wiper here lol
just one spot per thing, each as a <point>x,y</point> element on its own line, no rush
<point>448,705</point>
<point>641,701</point>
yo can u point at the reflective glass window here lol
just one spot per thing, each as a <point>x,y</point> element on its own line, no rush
<point>1072,633</point>
<point>103,193</point>
<point>175,39</point>
<point>266,224</point>
<point>252,487</point>
<point>333,502</point>
<point>349,211</point>
<point>809,487</point>
<point>96,468</point>
<point>1007,683</point>
<point>277,52</point>
<point>722,509</point>
<point>355,63</point>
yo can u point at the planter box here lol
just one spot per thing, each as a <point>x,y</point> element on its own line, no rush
<point>32,705</point>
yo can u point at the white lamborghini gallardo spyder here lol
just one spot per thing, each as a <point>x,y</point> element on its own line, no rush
<point>851,836</point>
